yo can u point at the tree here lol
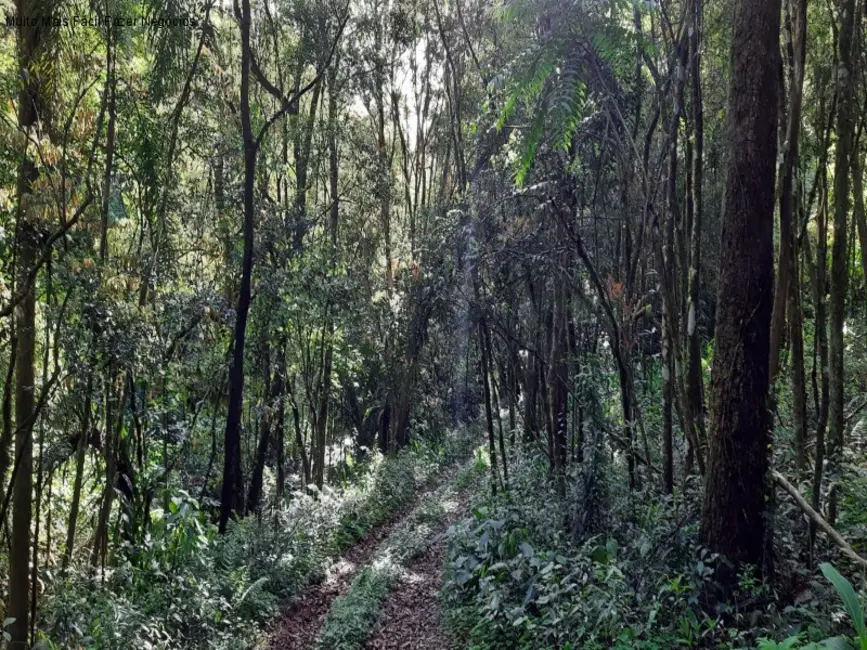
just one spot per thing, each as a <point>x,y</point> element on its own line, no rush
<point>35,43</point>
<point>733,517</point>
<point>839,256</point>
<point>232,496</point>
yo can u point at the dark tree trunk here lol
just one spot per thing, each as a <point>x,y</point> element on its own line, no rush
<point>799,382</point>
<point>531,389</point>
<point>733,517</point>
<point>232,494</point>
<point>495,392</point>
<point>6,435</point>
<point>34,41</point>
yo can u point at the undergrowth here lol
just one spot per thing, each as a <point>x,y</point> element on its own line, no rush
<point>188,587</point>
<point>353,615</point>
<point>520,576</point>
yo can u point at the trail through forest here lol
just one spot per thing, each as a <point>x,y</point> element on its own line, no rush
<point>411,619</point>
<point>270,271</point>
<point>413,604</point>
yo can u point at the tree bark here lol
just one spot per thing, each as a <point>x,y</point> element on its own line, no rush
<point>34,42</point>
<point>733,516</point>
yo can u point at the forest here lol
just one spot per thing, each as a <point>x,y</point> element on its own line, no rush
<point>434,324</point>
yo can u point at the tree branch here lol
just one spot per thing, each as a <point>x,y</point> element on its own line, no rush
<point>817,519</point>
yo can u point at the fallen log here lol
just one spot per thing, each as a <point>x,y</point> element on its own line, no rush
<point>817,519</point>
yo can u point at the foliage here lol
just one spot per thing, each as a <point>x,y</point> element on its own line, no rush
<point>191,588</point>
<point>353,615</point>
<point>639,581</point>
<point>853,608</point>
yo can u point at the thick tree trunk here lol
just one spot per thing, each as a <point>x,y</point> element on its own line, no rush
<point>25,325</point>
<point>733,517</point>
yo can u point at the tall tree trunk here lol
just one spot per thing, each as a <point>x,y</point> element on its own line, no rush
<point>111,63</point>
<point>733,516</point>
<point>495,394</point>
<point>787,181</point>
<point>839,259</point>
<point>798,25</point>
<point>695,384</point>
<point>821,349</point>
<point>7,434</point>
<point>232,495</point>
<point>299,435</point>
<point>34,42</point>
<point>328,330</point>
<point>302,162</point>
<point>116,397</point>
<point>859,212</point>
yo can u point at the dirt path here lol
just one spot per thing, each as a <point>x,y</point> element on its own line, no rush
<point>411,617</point>
<point>298,628</point>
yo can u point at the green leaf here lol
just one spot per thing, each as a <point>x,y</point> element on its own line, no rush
<point>850,600</point>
